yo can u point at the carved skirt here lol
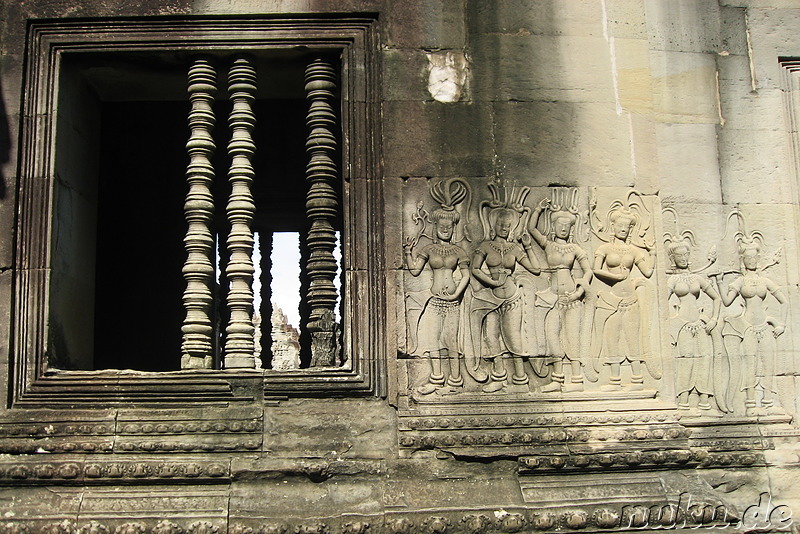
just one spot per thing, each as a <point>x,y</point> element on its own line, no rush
<point>615,336</point>
<point>438,326</point>
<point>694,354</point>
<point>502,328</point>
<point>757,352</point>
<point>562,324</point>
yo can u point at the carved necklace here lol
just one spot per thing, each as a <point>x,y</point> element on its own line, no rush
<point>620,249</point>
<point>501,248</point>
<point>442,249</point>
<point>561,248</point>
<point>751,280</point>
<point>684,276</point>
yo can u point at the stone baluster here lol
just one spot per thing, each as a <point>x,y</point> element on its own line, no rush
<point>322,208</point>
<point>239,343</point>
<point>198,271</point>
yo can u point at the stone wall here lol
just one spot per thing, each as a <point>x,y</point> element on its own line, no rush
<point>588,249</point>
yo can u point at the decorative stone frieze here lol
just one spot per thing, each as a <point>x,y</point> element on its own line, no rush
<point>96,471</point>
<point>512,520</point>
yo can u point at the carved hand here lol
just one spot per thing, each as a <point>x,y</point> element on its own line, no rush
<point>710,325</point>
<point>779,329</point>
<point>445,295</point>
<point>565,299</point>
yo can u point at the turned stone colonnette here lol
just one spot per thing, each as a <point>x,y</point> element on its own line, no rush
<point>239,338</point>
<point>322,211</point>
<point>198,270</point>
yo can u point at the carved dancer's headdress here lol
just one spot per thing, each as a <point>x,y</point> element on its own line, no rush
<point>505,199</point>
<point>449,193</point>
<point>748,241</point>
<point>633,208</point>
<point>564,204</point>
<point>678,240</point>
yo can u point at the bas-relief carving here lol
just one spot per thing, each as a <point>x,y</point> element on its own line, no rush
<point>701,366</point>
<point>725,323</point>
<point>751,335</point>
<point>497,314</point>
<point>555,297</point>
<point>534,309</point>
<point>622,317</point>
<point>564,322</point>
<point>437,325</point>
<point>522,305</point>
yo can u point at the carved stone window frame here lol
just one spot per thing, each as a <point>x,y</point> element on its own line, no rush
<point>356,39</point>
<point>790,84</point>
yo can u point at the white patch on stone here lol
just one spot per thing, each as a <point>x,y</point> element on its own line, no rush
<point>447,75</point>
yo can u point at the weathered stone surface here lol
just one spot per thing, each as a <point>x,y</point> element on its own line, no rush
<point>634,84</point>
<point>426,25</point>
<point>745,109</point>
<point>405,71</point>
<point>570,129</point>
<point>581,17</point>
<point>350,429</point>
<point>435,139</point>
<point>694,173</point>
<point>733,31</point>
<point>541,67</point>
<point>684,26</point>
<point>755,155</point>
<point>684,87</point>
<point>570,276</point>
<point>627,19</point>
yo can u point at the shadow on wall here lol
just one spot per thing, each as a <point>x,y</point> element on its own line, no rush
<point>5,144</point>
<point>507,78</point>
<point>543,72</point>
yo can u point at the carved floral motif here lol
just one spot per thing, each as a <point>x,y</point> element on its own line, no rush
<point>94,527</point>
<point>64,527</point>
<point>167,527</point>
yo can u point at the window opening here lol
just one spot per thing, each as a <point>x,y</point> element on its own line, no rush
<point>285,300</point>
<point>116,287</point>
